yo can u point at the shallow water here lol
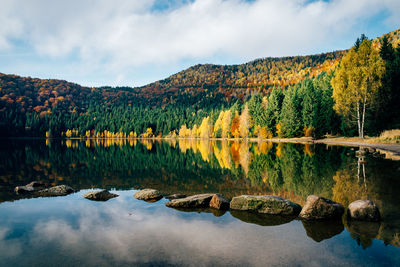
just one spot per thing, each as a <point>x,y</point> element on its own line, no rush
<point>71,230</point>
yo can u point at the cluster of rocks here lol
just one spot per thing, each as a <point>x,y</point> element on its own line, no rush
<point>180,201</point>
<point>315,208</point>
<point>36,188</point>
<point>39,189</point>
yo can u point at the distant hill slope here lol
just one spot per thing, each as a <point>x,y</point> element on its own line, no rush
<point>197,85</point>
<point>239,81</point>
<point>188,86</point>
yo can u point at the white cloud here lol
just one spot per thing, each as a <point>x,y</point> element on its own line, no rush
<point>115,35</point>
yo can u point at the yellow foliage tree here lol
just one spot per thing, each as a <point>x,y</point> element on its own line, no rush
<point>218,125</point>
<point>235,126</point>
<point>244,122</point>
<point>356,82</point>
<point>205,129</point>
<point>226,124</point>
<point>183,131</point>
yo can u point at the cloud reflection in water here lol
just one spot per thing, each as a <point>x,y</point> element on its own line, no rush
<point>124,231</point>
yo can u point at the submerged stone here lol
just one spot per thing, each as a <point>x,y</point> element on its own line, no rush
<point>195,201</point>
<point>148,194</point>
<point>59,190</point>
<point>29,188</point>
<point>101,195</point>
<point>317,208</point>
<point>267,204</point>
<point>23,189</point>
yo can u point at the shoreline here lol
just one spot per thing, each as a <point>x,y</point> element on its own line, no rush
<point>389,149</point>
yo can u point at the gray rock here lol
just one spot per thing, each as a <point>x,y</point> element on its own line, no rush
<point>35,184</point>
<point>265,204</point>
<point>101,195</point>
<point>363,210</point>
<point>219,202</point>
<point>196,201</point>
<point>317,208</point>
<point>148,194</point>
<point>24,189</point>
<point>59,190</point>
<point>175,196</point>
<point>29,188</point>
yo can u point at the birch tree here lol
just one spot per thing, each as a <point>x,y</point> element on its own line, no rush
<point>356,82</point>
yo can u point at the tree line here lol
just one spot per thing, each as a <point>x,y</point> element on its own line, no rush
<point>360,96</point>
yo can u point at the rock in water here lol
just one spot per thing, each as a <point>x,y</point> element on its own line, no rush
<point>29,188</point>
<point>317,208</point>
<point>101,195</point>
<point>148,194</point>
<point>363,210</point>
<point>35,184</point>
<point>219,202</point>
<point>196,201</point>
<point>59,190</point>
<point>265,204</point>
<point>23,189</point>
<point>175,196</point>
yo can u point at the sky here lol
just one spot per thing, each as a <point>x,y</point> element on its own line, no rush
<point>136,42</point>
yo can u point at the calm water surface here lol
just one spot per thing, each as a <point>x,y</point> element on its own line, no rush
<point>71,230</point>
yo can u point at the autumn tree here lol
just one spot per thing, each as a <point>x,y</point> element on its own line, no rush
<point>205,128</point>
<point>356,82</point>
<point>226,121</point>
<point>218,125</point>
<point>235,126</point>
<point>244,122</point>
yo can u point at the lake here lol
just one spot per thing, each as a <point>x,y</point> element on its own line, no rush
<point>71,230</point>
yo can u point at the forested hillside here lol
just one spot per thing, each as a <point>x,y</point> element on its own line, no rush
<point>32,107</point>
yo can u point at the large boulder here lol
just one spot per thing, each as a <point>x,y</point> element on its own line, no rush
<point>363,210</point>
<point>59,190</point>
<point>265,204</point>
<point>219,202</point>
<point>317,208</point>
<point>196,201</point>
<point>101,195</point>
<point>148,194</point>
